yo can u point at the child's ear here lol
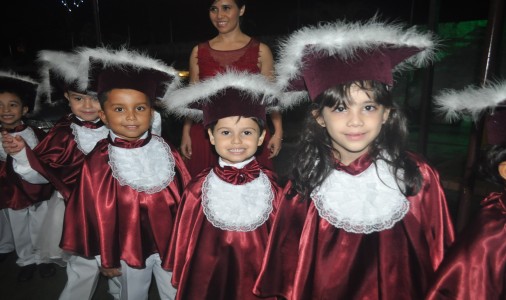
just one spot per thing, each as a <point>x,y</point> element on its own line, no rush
<point>66,95</point>
<point>102,116</point>
<point>211,136</point>
<point>25,110</point>
<point>319,119</point>
<point>502,169</point>
<point>261,138</point>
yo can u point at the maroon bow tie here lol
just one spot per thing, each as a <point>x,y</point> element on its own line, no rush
<point>18,128</point>
<point>87,124</point>
<point>130,144</point>
<point>236,176</point>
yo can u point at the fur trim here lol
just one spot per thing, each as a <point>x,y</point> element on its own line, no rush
<point>123,57</point>
<point>472,100</point>
<point>65,65</point>
<point>344,40</point>
<point>179,101</point>
<point>36,104</point>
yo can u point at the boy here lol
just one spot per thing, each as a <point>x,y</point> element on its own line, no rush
<point>227,210</point>
<point>58,159</point>
<point>25,203</point>
<point>123,209</point>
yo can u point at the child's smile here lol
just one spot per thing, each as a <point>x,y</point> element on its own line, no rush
<point>11,110</point>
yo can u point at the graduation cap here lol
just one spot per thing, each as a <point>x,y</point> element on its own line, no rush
<point>475,101</point>
<point>59,73</point>
<point>316,58</point>
<point>126,69</point>
<point>23,86</point>
<point>231,93</point>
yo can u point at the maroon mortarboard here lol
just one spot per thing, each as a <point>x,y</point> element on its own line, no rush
<point>126,69</point>
<point>314,59</point>
<point>228,94</point>
<point>24,87</point>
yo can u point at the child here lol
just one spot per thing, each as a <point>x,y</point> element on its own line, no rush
<point>25,203</point>
<point>124,206</point>
<point>227,211</point>
<point>363,218</point>
<point>475,265</point>
<point>59,157</point>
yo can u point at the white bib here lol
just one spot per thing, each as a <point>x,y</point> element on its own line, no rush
<point>86,138</point>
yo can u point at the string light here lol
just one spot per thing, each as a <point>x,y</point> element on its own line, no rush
<point>74,3</point>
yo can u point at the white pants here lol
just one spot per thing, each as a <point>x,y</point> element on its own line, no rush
<point>48,242</point>
<point>6,239</point>
<point>25,224</point>
<point>82,278</point>
<point>133,284</point>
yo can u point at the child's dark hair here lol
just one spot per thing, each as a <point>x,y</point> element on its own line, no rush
<point>489,165</point>
<point>314,155</point>
<point>260,122</point>
<point>102,98</point>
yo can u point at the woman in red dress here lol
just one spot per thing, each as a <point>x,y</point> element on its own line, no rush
<point>231,48</point>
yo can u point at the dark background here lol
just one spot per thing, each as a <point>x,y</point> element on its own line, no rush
<point>29,26</point>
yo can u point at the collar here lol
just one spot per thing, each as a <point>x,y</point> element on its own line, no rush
<point>122,143</point>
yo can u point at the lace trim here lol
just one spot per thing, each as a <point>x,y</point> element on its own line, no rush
<point>86,138</point>
<point>28,135</point>
<point>237,207</point>
<point>364,203</point>
<point>147,169</point>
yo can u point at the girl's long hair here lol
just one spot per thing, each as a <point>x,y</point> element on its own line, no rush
<point>315,154</point>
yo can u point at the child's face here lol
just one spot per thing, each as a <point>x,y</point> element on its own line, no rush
<point>236,139</point>
<point>352,129</point>
<point>83,106</point>
<point>127,113</point>
<point>11,110</point>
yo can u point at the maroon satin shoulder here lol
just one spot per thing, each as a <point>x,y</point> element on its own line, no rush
<point>118,222</point>
<point>15,193</point>
<point>319,261</point>
<point>57,156</point>
<point>475,267</point>
<point>210,263</point>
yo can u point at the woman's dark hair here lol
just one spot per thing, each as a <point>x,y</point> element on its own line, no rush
<point>315,153</point>
<point>260,122</point>
<point>240,3</point>
<point>489,164</point>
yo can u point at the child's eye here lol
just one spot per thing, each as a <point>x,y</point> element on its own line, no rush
<point>213,9</point>
<point>225,132</point>
<point>247,132</point>
<point>14,105</point>
<point>140,108</point>
<point>340,108</point>
<point>370,107</point>
<point>226,7</point>
<point>118,109</point>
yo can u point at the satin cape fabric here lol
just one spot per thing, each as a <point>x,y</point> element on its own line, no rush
<point>117,222</point>
<point>308,258</point>
<point>57,157</point>
<point>214,264</point>
<point>15,193</point>
<point>475,267</point>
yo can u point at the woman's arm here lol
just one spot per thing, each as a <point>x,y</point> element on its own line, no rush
<point>186,142</point>
<point>266,64</point>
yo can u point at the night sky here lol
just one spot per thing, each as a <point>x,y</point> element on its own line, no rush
<point>47,24</point>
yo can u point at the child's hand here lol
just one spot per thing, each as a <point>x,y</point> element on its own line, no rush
<point>110,273</point>
<point>12,144</point>
<point>274,145</point>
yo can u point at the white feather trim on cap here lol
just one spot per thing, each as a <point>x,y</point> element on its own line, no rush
<point>344,39</point>
<point>124,57</point>
<point>470,101</point>
<point>179,102</point>
<point>62,64</point>
<point>12,75</point>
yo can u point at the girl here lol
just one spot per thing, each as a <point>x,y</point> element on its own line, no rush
<point>363,218</point>
<point>474,267</point>
<point>231,48</point>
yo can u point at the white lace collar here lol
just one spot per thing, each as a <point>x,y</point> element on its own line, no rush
<point>27,134</point>
<point>149,168</point>
<point>86,138</point>
<point>237,207</point>
<point>368,202</point>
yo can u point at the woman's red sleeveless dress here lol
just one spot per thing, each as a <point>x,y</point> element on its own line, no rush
<point>212,62</point>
